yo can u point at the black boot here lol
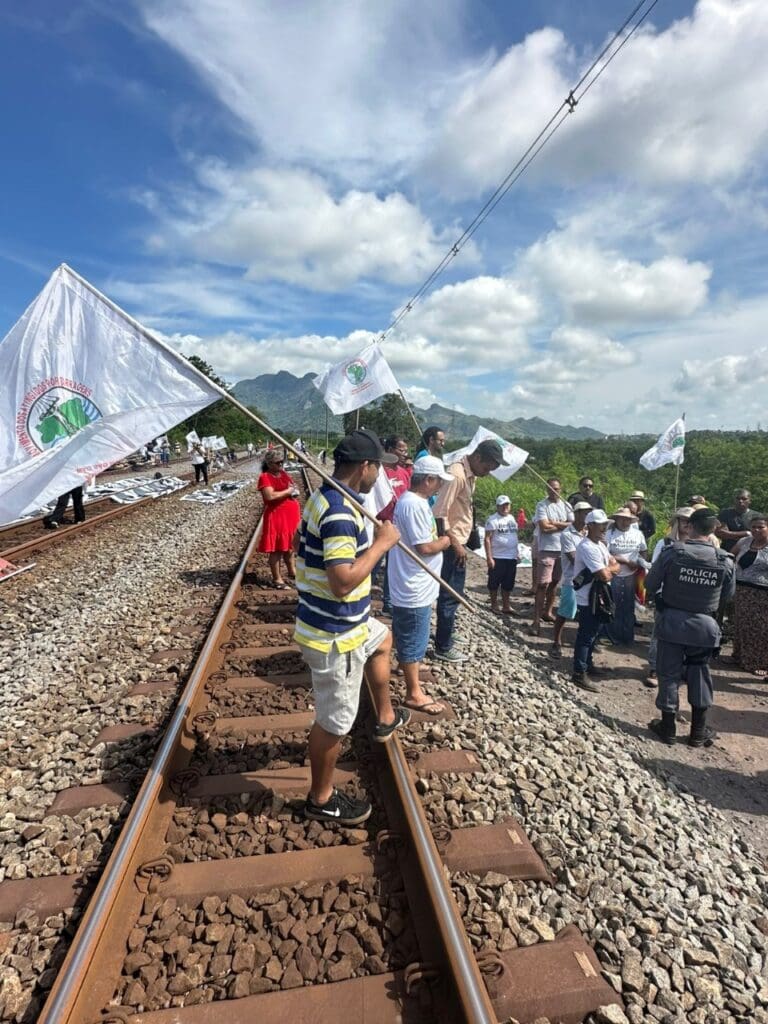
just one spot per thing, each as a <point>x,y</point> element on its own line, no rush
<point>664,728</point>
<point>702,735</point>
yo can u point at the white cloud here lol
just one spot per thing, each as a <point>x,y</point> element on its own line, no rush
<point>723,372</point>
<point>575,355</point>
<point>421,397</point>
<point>480,324</point>
<point>352,86</point>
<point>286,224</point>
<point>600,287</point>
<point>676,106</point>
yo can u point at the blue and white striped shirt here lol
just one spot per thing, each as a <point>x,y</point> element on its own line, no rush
<point>332,532</point>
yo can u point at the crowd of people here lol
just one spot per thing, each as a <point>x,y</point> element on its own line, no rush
<point>588,567</point>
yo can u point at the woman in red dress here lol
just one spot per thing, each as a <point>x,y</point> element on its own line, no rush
<point>281,517</point>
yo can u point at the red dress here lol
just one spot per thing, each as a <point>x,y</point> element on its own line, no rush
<point>281,517</point>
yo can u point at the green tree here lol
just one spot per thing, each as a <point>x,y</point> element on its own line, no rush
<point>221,418</point>
<point>386,416</point>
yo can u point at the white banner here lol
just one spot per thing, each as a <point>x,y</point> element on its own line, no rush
<point>377,499</point>
<point>84,385</point>
<point>515,456</point>
<point>192,438</point>
<point>353,383</point>
<point>219,443</point>
<point>670,447</point>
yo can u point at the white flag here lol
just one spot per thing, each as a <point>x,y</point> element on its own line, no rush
<point>192,438</point>
<point>670,447</point>
<point>515,456</point>
<point>84,385</point>
<point>353,383</point>
<point>379,496</point>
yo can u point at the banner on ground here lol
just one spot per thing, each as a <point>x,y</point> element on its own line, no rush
<point>515,456</point>
<point>353,383</point>
<point>670,447</point>
<point>84,385</point>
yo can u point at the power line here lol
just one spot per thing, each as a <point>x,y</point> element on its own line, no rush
<point>567,107</point>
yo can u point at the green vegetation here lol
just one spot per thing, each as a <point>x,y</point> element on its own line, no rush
<point>387,416</point>
<point>221,418</point>
<point>716,463</point>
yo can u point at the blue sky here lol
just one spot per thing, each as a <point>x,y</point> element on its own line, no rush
<point>265,184</point>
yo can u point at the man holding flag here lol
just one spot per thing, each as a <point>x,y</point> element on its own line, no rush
<point>338,639</point>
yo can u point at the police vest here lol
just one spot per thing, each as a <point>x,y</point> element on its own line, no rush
<point>694,578</point>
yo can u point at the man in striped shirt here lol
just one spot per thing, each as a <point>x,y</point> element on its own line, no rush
<point>337,638</point>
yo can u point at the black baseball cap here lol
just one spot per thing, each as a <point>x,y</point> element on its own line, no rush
<point>362,446</point>
<point>491,451</point>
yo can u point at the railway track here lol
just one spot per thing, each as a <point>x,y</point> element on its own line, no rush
<point>20,541</point>
<point>218,889</point>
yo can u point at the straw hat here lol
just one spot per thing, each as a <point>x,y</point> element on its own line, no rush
<point>637,494</point>
<point>624,513</point>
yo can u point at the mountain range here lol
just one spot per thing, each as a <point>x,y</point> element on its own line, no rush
<point>295,404</point>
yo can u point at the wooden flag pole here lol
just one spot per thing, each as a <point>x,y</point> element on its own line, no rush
<point>300,456</point>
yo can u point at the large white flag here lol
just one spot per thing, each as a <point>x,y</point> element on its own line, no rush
<point>83,386</point>
<point>670,447</point>
<point>515,456</point>
<point>353,383</point>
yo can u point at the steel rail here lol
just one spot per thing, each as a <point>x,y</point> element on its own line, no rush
<point>466,976</point>
<point>28,546</point>
<point>69,981</point>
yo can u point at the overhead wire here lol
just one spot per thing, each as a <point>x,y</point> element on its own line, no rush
<point>566,108</point>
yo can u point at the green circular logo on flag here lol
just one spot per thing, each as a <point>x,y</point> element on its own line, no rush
<point>356,371</point>
<point>679,442</point>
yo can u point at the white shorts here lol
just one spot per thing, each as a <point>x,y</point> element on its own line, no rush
<point>337,678</point>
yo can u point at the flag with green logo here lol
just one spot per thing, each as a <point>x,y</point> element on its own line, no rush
<point>670,448</point>
<point>353,383</point>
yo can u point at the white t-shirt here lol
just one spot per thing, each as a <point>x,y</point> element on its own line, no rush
<point>503,533</point>
<point>409,585</point>
<point>592,555</point>
<point>555,512</point>
<point>627,543</point>
<point>570,539</point>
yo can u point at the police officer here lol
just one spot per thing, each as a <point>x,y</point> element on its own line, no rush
<point>691,582</point>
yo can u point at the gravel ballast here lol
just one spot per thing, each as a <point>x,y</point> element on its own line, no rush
<point>668,892</point>
<point>80,629</point>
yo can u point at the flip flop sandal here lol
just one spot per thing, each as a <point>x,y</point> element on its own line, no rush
<point>424,709</point>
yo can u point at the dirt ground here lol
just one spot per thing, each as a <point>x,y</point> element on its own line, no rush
<point>732,775</point>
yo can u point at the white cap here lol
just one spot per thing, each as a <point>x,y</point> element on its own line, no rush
<point>597,515</point>
<point>503,499</point>
<point>430,465</point>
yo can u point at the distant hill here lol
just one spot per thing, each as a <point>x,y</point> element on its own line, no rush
<point>293,403</point>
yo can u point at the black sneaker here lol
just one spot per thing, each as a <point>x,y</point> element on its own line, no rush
<point>382,733</point>
<point>340,809</point>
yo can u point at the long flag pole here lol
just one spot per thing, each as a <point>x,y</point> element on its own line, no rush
<point>273,433</point>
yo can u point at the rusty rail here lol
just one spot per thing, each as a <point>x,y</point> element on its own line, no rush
<point>67,989</point>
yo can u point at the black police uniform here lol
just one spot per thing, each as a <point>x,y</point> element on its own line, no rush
<point>694,579</point>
